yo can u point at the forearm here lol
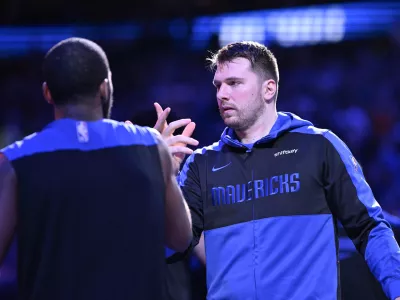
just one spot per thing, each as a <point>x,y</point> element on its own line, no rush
<point>178,219</point>
<point>383,258</point>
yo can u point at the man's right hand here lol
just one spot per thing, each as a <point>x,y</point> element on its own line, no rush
<point>177,144</point>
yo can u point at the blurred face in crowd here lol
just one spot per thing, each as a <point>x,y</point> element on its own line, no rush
<point>239,93</point>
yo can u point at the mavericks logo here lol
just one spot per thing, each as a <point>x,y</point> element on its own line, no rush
<point>255,189</point>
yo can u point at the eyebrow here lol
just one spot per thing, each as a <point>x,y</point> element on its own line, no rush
<point>227,79</point>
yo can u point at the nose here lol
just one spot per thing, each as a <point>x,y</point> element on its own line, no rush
<point>223,92</point>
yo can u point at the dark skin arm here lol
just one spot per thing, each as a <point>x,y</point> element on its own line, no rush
<point>178,225</point>
<point>8,205</point>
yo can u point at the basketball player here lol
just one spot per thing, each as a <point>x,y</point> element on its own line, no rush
<point>270,193</point>
<point>93,201</point>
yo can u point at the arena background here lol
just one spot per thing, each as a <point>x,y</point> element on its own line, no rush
<point>339,64</point>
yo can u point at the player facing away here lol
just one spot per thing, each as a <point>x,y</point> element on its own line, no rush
<point>93,201</point>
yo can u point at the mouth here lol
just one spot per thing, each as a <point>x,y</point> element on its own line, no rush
<point>225,109</point>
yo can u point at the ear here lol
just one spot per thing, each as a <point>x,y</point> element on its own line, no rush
<point>104,89</point>
<point>46,93</point>
<point>269,89</point>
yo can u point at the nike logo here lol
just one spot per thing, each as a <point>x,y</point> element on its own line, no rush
<point>217,169</point>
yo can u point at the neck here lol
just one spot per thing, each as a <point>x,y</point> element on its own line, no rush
<point>81,112</point>
<point>260,128</point>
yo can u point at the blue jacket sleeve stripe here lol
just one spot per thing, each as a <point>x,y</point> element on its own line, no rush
<point>382,253</point>
<point>182,177</point>
<point>354,170</point>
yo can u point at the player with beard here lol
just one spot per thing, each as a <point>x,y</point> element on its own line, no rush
<point>93,201</point>
<point>270,193</point>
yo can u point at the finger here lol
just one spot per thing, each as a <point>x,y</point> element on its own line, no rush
<point>158,108</point>
<point>181,140</point>
<point>188,131</point>
<point>128,122</point>
<point>161,121</point>
<point>180,149</point>
<point>175,125</point>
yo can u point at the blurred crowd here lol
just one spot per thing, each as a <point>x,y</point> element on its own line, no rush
<point>350,88</point>
<point>19,12</point>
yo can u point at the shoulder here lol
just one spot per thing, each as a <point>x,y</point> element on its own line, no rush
<point>326,136</point>
<point>335,147</point>
<point>26,146</point>
<point>311,130</point>
<point>215,147</point>
<point>200,153</point>
<point>138,134</point>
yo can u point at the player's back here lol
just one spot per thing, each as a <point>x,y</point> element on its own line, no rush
<point>91,212</point>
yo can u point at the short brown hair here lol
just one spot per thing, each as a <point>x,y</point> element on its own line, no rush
<point>261,58</point>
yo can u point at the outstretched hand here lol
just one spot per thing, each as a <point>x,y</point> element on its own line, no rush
<point>177,144</point>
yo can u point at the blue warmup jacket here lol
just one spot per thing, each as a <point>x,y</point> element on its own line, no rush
<point>269,214</point>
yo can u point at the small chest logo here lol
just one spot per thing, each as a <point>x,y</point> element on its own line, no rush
<point>214,169</point>
<point>82,132</point>
<point>284,152</point>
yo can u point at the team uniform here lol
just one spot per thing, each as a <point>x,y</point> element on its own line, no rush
<point>269,212</point>
<point>90,212</point>
<point>356,279</point>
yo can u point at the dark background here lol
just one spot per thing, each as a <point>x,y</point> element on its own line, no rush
<point>346,78</point>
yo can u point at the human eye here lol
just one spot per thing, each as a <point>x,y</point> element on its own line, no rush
<point>234,82</point>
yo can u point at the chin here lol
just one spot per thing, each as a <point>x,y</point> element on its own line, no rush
<point>232,124</point>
